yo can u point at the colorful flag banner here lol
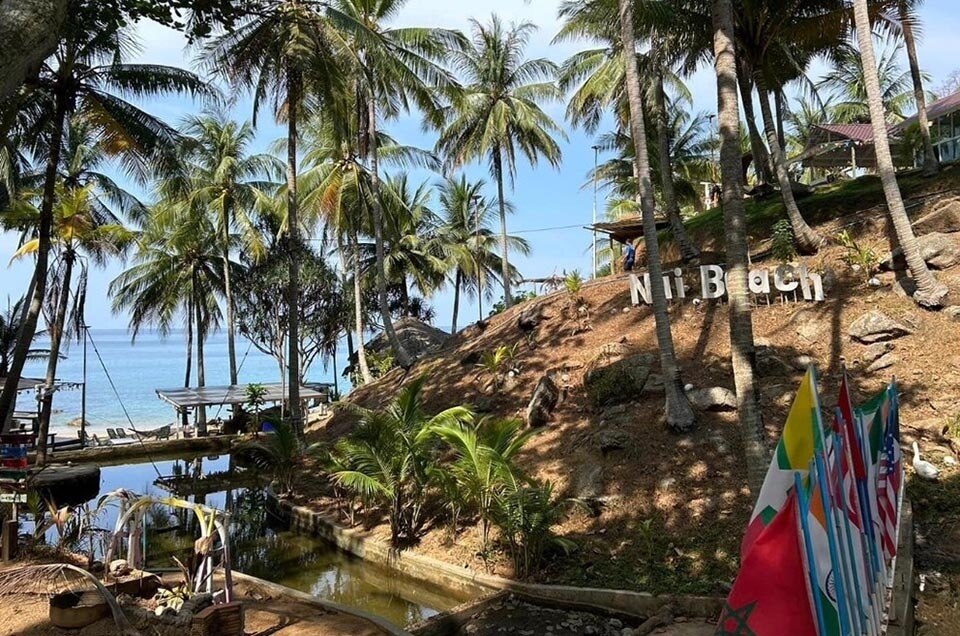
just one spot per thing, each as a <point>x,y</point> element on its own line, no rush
<point>793,453</point>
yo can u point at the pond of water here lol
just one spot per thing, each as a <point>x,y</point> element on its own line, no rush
<point>260,545</point>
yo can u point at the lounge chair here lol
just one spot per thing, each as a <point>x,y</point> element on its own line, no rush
<point>98,442</point>
<point>112,434</point>
<point>157,433</point>
<point>122,434</point>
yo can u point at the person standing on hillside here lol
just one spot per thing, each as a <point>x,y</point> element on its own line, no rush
<point>629,257</point>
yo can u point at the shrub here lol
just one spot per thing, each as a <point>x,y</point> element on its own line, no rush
<point>281,454</point>
<point>783,247</point>
<point>859,255</point>
<point>526,513</point>
<point>573,282</point>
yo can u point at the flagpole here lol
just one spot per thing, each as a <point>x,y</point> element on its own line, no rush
<point>847,625</point>
<point>804,507</point>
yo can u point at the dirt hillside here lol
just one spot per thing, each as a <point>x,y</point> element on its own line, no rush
<point>672,508</point>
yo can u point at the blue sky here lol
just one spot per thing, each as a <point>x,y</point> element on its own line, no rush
<point>543,197</point>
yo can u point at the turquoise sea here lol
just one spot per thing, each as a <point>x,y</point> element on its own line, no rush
<point>140,367</point>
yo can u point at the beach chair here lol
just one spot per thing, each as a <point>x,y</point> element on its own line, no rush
<point>112,434</point>
<point>122,433</point>
<point>98,442</point>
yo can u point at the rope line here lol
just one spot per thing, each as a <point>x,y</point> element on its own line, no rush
<point>122,405</point>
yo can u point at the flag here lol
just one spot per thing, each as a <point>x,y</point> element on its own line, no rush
<point>823,564</point>
<point>850,437</point>
<point>890,480</point>
<point>793,453</point>
<point>772,589</point>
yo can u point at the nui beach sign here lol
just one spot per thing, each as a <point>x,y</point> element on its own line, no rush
<point>784,281</point>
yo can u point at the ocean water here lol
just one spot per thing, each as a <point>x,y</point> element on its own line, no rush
<point>139,368</point>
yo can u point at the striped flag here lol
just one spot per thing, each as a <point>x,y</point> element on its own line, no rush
<point>829,582</point>
<point>890,480</point>
<point>793,454</point>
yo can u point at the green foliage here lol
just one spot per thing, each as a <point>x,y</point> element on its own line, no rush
<point>573,282</point>
<point>381,362</point>
<point>863,256</point>
<point>526,513</point>
<point>952,427</point>
<point>255,395</point>
<point>519,297</point>
<point>281,454</point>
<point>498,362</point>
<point>388,457</point>
<point>784,249</point>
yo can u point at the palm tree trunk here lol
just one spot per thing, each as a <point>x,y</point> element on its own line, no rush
<point>504,247</point>
<point>930,292</point>
<point>743,353</point>
<point>688,251</point>
<point>456,301</point>
<point>778,109</point>
<point>29,327</point>
<point>228,296</point>
<point>365,374</point>
<point>201,371</point>
<point>358,313</point>
<point>294,87</point>
<point>931,165</point>
<point>679,415</point>
<point>761,158</point>
<point>186,378</point>
<point>808,241</point>
<point>403,358</point>
<point>56,339</point>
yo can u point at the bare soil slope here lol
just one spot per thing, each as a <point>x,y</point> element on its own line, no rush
<point>675,506</point>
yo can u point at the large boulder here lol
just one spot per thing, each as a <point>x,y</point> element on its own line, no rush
<point>945,218</point>
<point>876,326</point>
<point>418,338</point>
<point>938,250</point>
<point>544,400</point>
<point>876,351</point>
<point>715,398</point>
<point>618,381</point>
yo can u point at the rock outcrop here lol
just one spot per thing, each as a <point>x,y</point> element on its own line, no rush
<point>544,400</point>
<point>939,251</point>
<point>876,326</point>
<point>715,398</point>
<point>618,381</point>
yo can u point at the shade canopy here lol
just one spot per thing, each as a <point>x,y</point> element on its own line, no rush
<point>25,384</point>
<point>190,397</point>
<point>628,229</point>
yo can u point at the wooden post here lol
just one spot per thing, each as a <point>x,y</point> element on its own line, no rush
<point>11,532</point>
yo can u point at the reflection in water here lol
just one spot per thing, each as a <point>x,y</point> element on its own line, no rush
<point>263,548</point>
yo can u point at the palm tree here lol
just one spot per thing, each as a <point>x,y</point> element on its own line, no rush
<point>742,350</point>
<point>177,275</point>
<point>396,69</point>
<point>224,179</point>
<point>930,292</point>
<point>81,231</point>
<point>285,52</point>
<point>468,241</point>
<point>679,415</point>
<point>10,321</point>
<point>600,75</point>
<point>498,112</point>
<point>85,78</point>
<point>910,25</point>
<point>848,82</point>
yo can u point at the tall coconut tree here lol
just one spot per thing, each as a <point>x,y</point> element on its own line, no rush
<point>498,113</point>
<point>82,232</point>
<point>396,68</point>
<point>176,278</point>
<point>87,77</point>
<point>906,12</point>
<point>10,321</point>
<point>743,355</point>
<point>930,292</point>
<point>848,83</point>
<point>225,179</point>
<point>598,75</point>
<point>285,52</point>
<point>468,241</point>
<point>679,414</point>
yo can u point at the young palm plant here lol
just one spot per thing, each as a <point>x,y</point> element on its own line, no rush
<point>388,456</point>
<point>281,454</point>
<point>498,113</point>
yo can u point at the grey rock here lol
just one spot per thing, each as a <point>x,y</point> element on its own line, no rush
<point>904,287</point>
<point>544,399</point>
<point>654,385</point>
<point>829,279</point>
<point>876,351</point>
<point>716,398</point>
<point>876,326</point>
<point>939,251</point>
<point>611,440</point>
<point>770,364</point>
<point>619,381</point>
<point>588,482</point>
<point>885,361</point>
<point>945,218</point>
<point>802,363</point>
<point>953,312</point>
<point>119,567</point>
